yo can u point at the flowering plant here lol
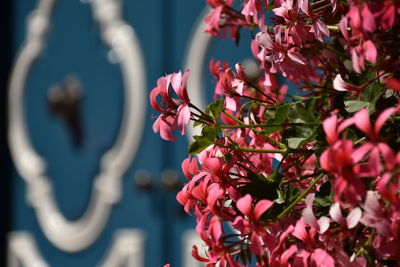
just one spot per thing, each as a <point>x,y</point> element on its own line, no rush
<point>303,179</point>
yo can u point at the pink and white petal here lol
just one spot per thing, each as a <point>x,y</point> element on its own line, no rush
<point>183,118</point>
<point>264,40</point>
<point>309,218</point>
<point>336,214</point>
<point>230,103</point>
<point>339,84</point>
<point>323,223</point>
<point>353,217</point>
<point>296,57</point>
<point>176,81</point>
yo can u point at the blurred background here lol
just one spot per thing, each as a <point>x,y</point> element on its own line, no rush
<point>64,96</point>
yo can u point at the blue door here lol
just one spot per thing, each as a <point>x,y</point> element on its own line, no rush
<point>92,184</point>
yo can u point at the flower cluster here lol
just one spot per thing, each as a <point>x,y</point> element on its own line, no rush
<point>304,179</point>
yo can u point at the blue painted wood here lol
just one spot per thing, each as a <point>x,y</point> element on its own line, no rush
<point>163,28</point>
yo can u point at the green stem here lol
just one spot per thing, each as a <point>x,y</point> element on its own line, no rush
<point>266,125</point>
<point>302,178</point>
<point>299,198</point>
<point>245,149</point>
<point>274,141</point>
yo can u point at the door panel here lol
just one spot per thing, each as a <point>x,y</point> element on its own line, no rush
<point>74,47</point>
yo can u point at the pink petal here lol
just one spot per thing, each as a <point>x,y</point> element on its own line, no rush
<point>322,26</point>
<point>301,258</point>
<point>323,223</point>
<point>195,254</point>
<point>230,103</point>
<point>374,162</point>
<point>368,20</point>
<point>355,61</point>
<point>361,151</point>
<point>256,246</point>
<point>287,254</point>
<point>184,95</point>
<point>261,207</point>
<point>387,155</point>
<point>383,118</point>
<point>353,217</point>
<point>336,213</point>
<point>164,128</point>
<point>330,125</point>
<point>264,40</point>
<point>214,193</point>
<point>370,51</point>
<point>296,57</point>
<point>309,218</point>
<point>183,118</point>
<point>343,27</point>
<point>153,102</point>
<point>244,204</point>
<point>339,84</point>
<point>322,259</point>
<point>362,121</point>
<point>176,81</point>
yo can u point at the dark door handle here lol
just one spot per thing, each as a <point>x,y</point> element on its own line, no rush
<point>64,102</point>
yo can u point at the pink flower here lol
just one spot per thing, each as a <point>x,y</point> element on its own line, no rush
<point>244,204</point>
<point>350,221</point>
<point>340,85</point>
<point>333,126</point>
<point>175,112</point>
<point>322,224</point>
<point>374,216</point>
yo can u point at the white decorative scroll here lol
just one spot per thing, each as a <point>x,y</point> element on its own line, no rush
<point>72,236</point>
<point>126,250</point>
<point>22,251</point>
<point>195,61</point>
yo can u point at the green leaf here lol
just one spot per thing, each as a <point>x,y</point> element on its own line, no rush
<point>214,109</point>
<point>201,142</point>
<point>295,142</point>
<point>299,114</point>
<point>279,117</point>
<point>323,198</point>
<point>352,106</point>
<point>199,145</point>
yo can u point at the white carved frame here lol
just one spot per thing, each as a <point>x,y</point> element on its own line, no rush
<point>195,60</point>
<point>126,250</point>
<point>72,236</point>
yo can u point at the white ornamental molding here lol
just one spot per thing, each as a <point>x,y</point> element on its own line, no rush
<point>22,251</point>
<point>196,57</point>
<point>73,236</point>
<point>127,250</point>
